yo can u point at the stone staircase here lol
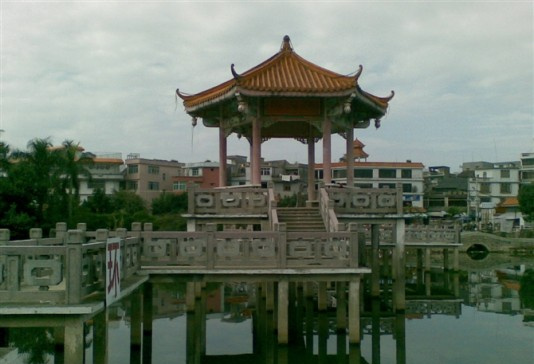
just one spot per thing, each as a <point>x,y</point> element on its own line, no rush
<point>301,218</point>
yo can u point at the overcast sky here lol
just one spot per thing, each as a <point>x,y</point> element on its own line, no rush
<point>104,73</point>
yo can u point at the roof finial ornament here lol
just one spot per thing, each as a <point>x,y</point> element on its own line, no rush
<point>359,72</point>
<point>286,44</point>
<point>234,73</point>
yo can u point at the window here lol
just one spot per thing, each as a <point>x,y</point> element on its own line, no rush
<point>287,188</point>
<point>407,187</point>
<point>386,185</point>
<point>98,184</point>
<point>153,186</point>
<point>484,188</point>
<point>194,172</point>
<point>179,186</point>
<point>265,171</point>
<point>505,173</point>
<point>153,169</point>
<point>164,176</point>
<point>406,173</point>
<point>131,185</point>
<point>506,188</point>
<point>340,173</point>
<point>387,173</point>
<point>319,174</point>
<point>133,169</point>
<point>364,185</point>
<point>363,173</point>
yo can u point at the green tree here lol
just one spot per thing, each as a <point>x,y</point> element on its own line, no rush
<point>72,166</point>
<point>526,200</point>
<point>128,207</point>
<point>168,203</point>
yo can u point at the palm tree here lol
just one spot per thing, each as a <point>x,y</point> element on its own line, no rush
<point>40,163</point>
<point>73,165</point>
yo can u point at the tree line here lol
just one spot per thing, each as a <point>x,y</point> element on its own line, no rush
<point>40,186</point>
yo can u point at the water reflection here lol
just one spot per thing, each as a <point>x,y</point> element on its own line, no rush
<point>179,321</point>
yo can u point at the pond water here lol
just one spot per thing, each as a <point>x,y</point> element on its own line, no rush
<point>482,314</point>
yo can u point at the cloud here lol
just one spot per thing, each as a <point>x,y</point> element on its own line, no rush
<point>105,73</point>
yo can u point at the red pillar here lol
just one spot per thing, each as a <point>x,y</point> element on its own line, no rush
<point>327,151</point>
<point>311,168</point>
<point>256,151</point>
<point>350,157</point>
<point>222,158</point>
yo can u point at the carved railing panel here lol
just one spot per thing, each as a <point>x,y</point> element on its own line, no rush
<point>245,200</point>
<point>366,200</point>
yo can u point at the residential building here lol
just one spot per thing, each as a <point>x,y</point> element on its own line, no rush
<point>106,173</point>
<point>491,182</point>
<point>382,175</point>
<point>150,177</point>
<point>444,189</point>
<point>202,174</point>
<point>527,168</point>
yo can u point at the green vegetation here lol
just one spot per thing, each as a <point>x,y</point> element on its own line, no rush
<point>526,201</point>
<point>41,186</point>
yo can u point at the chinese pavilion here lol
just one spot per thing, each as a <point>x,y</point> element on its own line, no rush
<point>287,96</point>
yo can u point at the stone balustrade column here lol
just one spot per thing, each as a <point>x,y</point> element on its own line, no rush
<point>73,273</point>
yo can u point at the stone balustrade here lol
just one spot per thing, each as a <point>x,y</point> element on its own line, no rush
<point>228,200</point>
<point>370,201</point>
<point>64,269</point>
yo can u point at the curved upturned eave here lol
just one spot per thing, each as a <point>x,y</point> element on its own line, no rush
<point>285,74</point>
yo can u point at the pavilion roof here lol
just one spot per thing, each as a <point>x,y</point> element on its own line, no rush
<point>284,74</point>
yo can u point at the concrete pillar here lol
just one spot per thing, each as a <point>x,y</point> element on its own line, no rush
<point>322,343</point>
<point>375,260</point>
<point>190,296</point>
<point>311,168</point>
<point>350,157</point>
<point>400,338</point>
<point>74,340</point>
<point>354,311</point>
<point>327,150</point>
<point>100,337</point>
<point>147,323</point>
<point>446,259</point>
<point>282,319</point>
<point>256,151</point>
<point>341,309</point>
<point>355,354</point>
<point>136,336</point>
<point>269,296</point>
<point>222,157</point>
<point>375,330</point>
<point>400,276</point>
<point>455,259</point>
<point>322,297</point>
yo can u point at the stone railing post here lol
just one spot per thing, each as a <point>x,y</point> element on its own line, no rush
<point>73,273</point>
<point>61,232</point>
<point>36,234</point>
<point>354,256</point>
<point>101,235</point>
<point>191,190</point>
<point>5,235</point>
<point>210,245</point>
<point>81,226</point>
<point>136,232</point>
<point>4,240</point>
<point>282,245</point>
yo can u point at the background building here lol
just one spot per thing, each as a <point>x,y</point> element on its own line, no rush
<point>150,177</point>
